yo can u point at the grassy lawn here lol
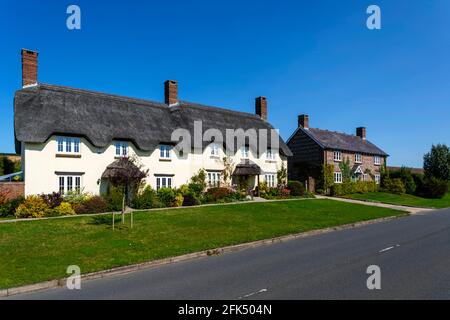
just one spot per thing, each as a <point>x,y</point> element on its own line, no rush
<point>404,199</point>
<point>42,250</point>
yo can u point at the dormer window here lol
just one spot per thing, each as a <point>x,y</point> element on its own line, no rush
<point>337,156</point>
<point>270,154</point>
<point>244,152</point>
<point>121,149</point>
<point>68,145</point>
<point>214,150</point>
<point>358,158</point>
<point>164,151</point>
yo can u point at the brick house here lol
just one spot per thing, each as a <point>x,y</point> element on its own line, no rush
<point>313,148</point>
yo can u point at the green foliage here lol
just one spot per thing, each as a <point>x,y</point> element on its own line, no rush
<point>6,166</point>
<point>198,182</point>
<point>405,175</point>
<point>32,207</point>
<point>147,199</point>
<point>274,193</point>
<point>167,197</point>
<point>436,163</point>
<point>8,208</point>
<point>297,188</point>
<point>114,198</point>
<point>394,185</point>
<point>178,201</point>
<point>327,177</point>
<point>191,199</point>
<point>434,188</point>
<point>345,169</point>
<point>351,187</point>
<point>282,175</point>
<point>76,197</point>
<point>217,194</point>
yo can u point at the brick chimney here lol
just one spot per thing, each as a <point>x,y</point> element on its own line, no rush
<point>303,121</point>
<point>29,67</point>
<point>171,92</point>
<point>361,132</point>
<point>261,107</point>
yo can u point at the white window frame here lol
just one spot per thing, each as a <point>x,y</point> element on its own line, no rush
<point>214,178</point>
<point>365,177</point>
<point>337,177</point>
<point>68,145</point>
<point>165,151</point>
<point>69,182</point>
<point>337,155</point>
<point>358,158</point>
<point>269,178</point>
<point>377,160</point>
<point>377,178</point>
<point>163,181</point>
<point>121,149</point>
<point>245,151</point>
<point>214,152</point>
<point>270,154</point>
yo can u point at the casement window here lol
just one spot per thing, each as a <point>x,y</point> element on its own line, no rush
<point>121,149</point>
<point>377,160</point>
<point>358,158</point>
<point>165,151</point>
<point>337,156</point>
<point>214,150</point>
<point>69,183</point>
<point>163,182</point>
<point>270,154</point>
<point>365,177</point>
<point>68,145</point>
<point>244,152</point>
<point>270,180</point>
<point>377,178</point>
<point>214,179</point>
<point>338,177</point>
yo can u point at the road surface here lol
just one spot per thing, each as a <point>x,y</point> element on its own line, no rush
<point>413,254</point>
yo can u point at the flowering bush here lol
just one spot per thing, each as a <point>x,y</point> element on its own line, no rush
<point>64,209</point>
<point>52,199</point>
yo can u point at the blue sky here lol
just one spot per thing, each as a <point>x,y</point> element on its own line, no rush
<point>314,57</point>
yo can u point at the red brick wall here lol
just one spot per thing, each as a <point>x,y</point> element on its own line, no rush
<point>12,189</point>
<point>367,161</point>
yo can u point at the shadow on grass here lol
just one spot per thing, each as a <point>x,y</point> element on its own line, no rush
<point>106,220</point>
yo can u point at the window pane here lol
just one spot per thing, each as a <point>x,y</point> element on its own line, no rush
<point>158,183</point>
<point>76,146</point>
<point>68,145</point>
<point>78,184</point>
<point>60,144</point>
<point>61,185</point>
<point>69,183</point>
<point>169,182</point>
<point>117,149</point>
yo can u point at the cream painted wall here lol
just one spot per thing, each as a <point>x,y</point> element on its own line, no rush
<point>41,165</point>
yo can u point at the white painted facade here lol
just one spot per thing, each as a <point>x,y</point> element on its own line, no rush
<point>43,165</point>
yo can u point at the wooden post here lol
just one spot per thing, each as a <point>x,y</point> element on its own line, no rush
<point>258,193</point>
<point>131,219</point>
<point>123,206</point>
<point>113,220</point>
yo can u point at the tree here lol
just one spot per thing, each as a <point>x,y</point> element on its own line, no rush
<point>282,175</point>
<point>227,171</point>
<point>346,170</point>
<point>126,174</point>
<point>436,163</point>
<point>327,177</point>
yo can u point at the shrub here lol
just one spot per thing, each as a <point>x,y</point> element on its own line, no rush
<point>79,208</point>
<point>191,199</point>
<point>350,187</point>
<point>76,197</point>
<point>32,207</point>
<point>95,204</point>
<point>418,181</point>
<point>216,194</point>
<point>296,187</point>
<point>52,199</point>
<point>166,196</point>
<point>64,209</point>
<point>434,188</point>
<point>198,182</point>
<point>114,199</point>
<point>9,208</point>
<point>405,175</point>
<point>178,201</point>
<point>394,185</point>
<point>436,163</point>
<point>147,199</point>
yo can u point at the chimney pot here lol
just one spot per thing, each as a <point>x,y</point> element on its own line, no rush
<point>261,107</point>
<point>303,121</point>
<point>29,67</point>
<point>361,132</point>
<point>171,92</point>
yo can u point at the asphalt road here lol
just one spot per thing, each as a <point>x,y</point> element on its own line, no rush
<point>413,254</point>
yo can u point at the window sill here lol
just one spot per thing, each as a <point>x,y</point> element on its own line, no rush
<point>215,157</point>
<point>165,160</point>
<point>271,161</point>
<point>68,155</point>
<point>120,157</point>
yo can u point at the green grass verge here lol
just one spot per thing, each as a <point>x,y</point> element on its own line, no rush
<point>42,250</point>
<point>403,199</point>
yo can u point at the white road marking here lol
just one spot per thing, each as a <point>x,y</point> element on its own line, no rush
<point>388,248</point>
<point>253,293</point>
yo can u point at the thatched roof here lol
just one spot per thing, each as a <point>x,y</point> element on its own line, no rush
<point>123,168</point>
<point>247,168</point>
<point>45,110</point>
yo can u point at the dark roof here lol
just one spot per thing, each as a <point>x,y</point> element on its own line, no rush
<point>122,167</point>
<point>44,110</point>
<point>342,141</point>
<point>247,168</point>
